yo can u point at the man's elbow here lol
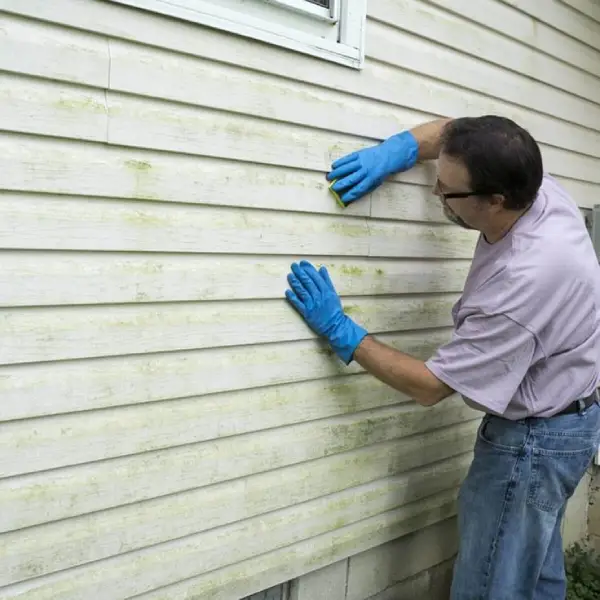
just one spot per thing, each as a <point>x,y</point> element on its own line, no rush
<point>427,399</point>
<point>432,395</point>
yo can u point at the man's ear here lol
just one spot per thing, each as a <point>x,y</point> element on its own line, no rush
<point>497,201</point>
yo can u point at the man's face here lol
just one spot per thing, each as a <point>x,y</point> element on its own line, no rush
<point>471,212</point>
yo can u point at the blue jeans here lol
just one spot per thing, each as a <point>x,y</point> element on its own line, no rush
<point>512,502</point>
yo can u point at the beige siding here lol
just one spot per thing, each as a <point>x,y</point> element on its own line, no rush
<point>170,428</point>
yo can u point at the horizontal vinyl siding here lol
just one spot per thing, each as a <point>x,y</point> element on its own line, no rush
<point>170,428</point>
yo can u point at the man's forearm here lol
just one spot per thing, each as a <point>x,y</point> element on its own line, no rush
<point>401,371</point>
<point>429,137</point>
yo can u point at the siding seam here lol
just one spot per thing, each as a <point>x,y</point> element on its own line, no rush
<point>107,88</point>
<point>347,582</point>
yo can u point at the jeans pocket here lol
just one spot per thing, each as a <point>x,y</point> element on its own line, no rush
<point>501,436</point>
<point>555,475</point>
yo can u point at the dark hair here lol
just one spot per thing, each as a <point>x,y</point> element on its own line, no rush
<point>500,156</point>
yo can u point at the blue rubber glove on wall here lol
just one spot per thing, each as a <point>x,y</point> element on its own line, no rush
<point>359,173</point>
<point>314,297</point>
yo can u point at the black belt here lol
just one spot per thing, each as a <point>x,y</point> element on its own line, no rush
<point>580,405</point>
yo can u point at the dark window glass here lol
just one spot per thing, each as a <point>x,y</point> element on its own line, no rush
<point>277,593</point>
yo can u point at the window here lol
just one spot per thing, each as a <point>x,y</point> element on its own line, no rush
<point>329,29</point>
<point>281,592</point>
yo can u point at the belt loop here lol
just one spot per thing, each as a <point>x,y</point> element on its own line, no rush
<point>580,405</point>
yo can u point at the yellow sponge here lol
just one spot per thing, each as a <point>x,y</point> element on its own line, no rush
<point>336,195</point>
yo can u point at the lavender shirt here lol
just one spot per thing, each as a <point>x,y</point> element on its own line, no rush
<point>526,338</point>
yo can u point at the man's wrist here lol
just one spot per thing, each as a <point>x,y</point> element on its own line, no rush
<point>407,153</point>
<point>345,339</point>
<point>429,138</point>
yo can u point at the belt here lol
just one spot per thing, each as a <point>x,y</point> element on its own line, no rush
<point>581,404</point>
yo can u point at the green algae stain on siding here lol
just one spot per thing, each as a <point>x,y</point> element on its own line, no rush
<point>351,270</point>
<point>145,179</point>
<point>81,104</point>
<point>140,166</point>
<point>349,230</point>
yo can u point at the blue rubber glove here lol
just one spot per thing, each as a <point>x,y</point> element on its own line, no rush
<point>314,297</point>
<point>359,173</point>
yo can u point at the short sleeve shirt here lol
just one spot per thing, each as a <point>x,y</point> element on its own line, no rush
<point>526,338</point>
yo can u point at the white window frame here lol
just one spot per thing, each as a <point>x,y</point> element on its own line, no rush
<point>347,16</point>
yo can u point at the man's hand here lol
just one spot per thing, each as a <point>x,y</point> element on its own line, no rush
<point>359,173</point>
<point>314,297</point>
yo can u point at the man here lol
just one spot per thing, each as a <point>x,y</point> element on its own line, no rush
<point>525,348</point>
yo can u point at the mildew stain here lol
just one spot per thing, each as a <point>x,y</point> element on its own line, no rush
<point>139,165</point>
<point>84,103</point>
<point>142,170</point>
<point>351,270</point>
<point>348,230</point>
<point>350,309</point>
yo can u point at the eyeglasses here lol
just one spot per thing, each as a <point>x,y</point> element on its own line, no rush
<point>437,192</point>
